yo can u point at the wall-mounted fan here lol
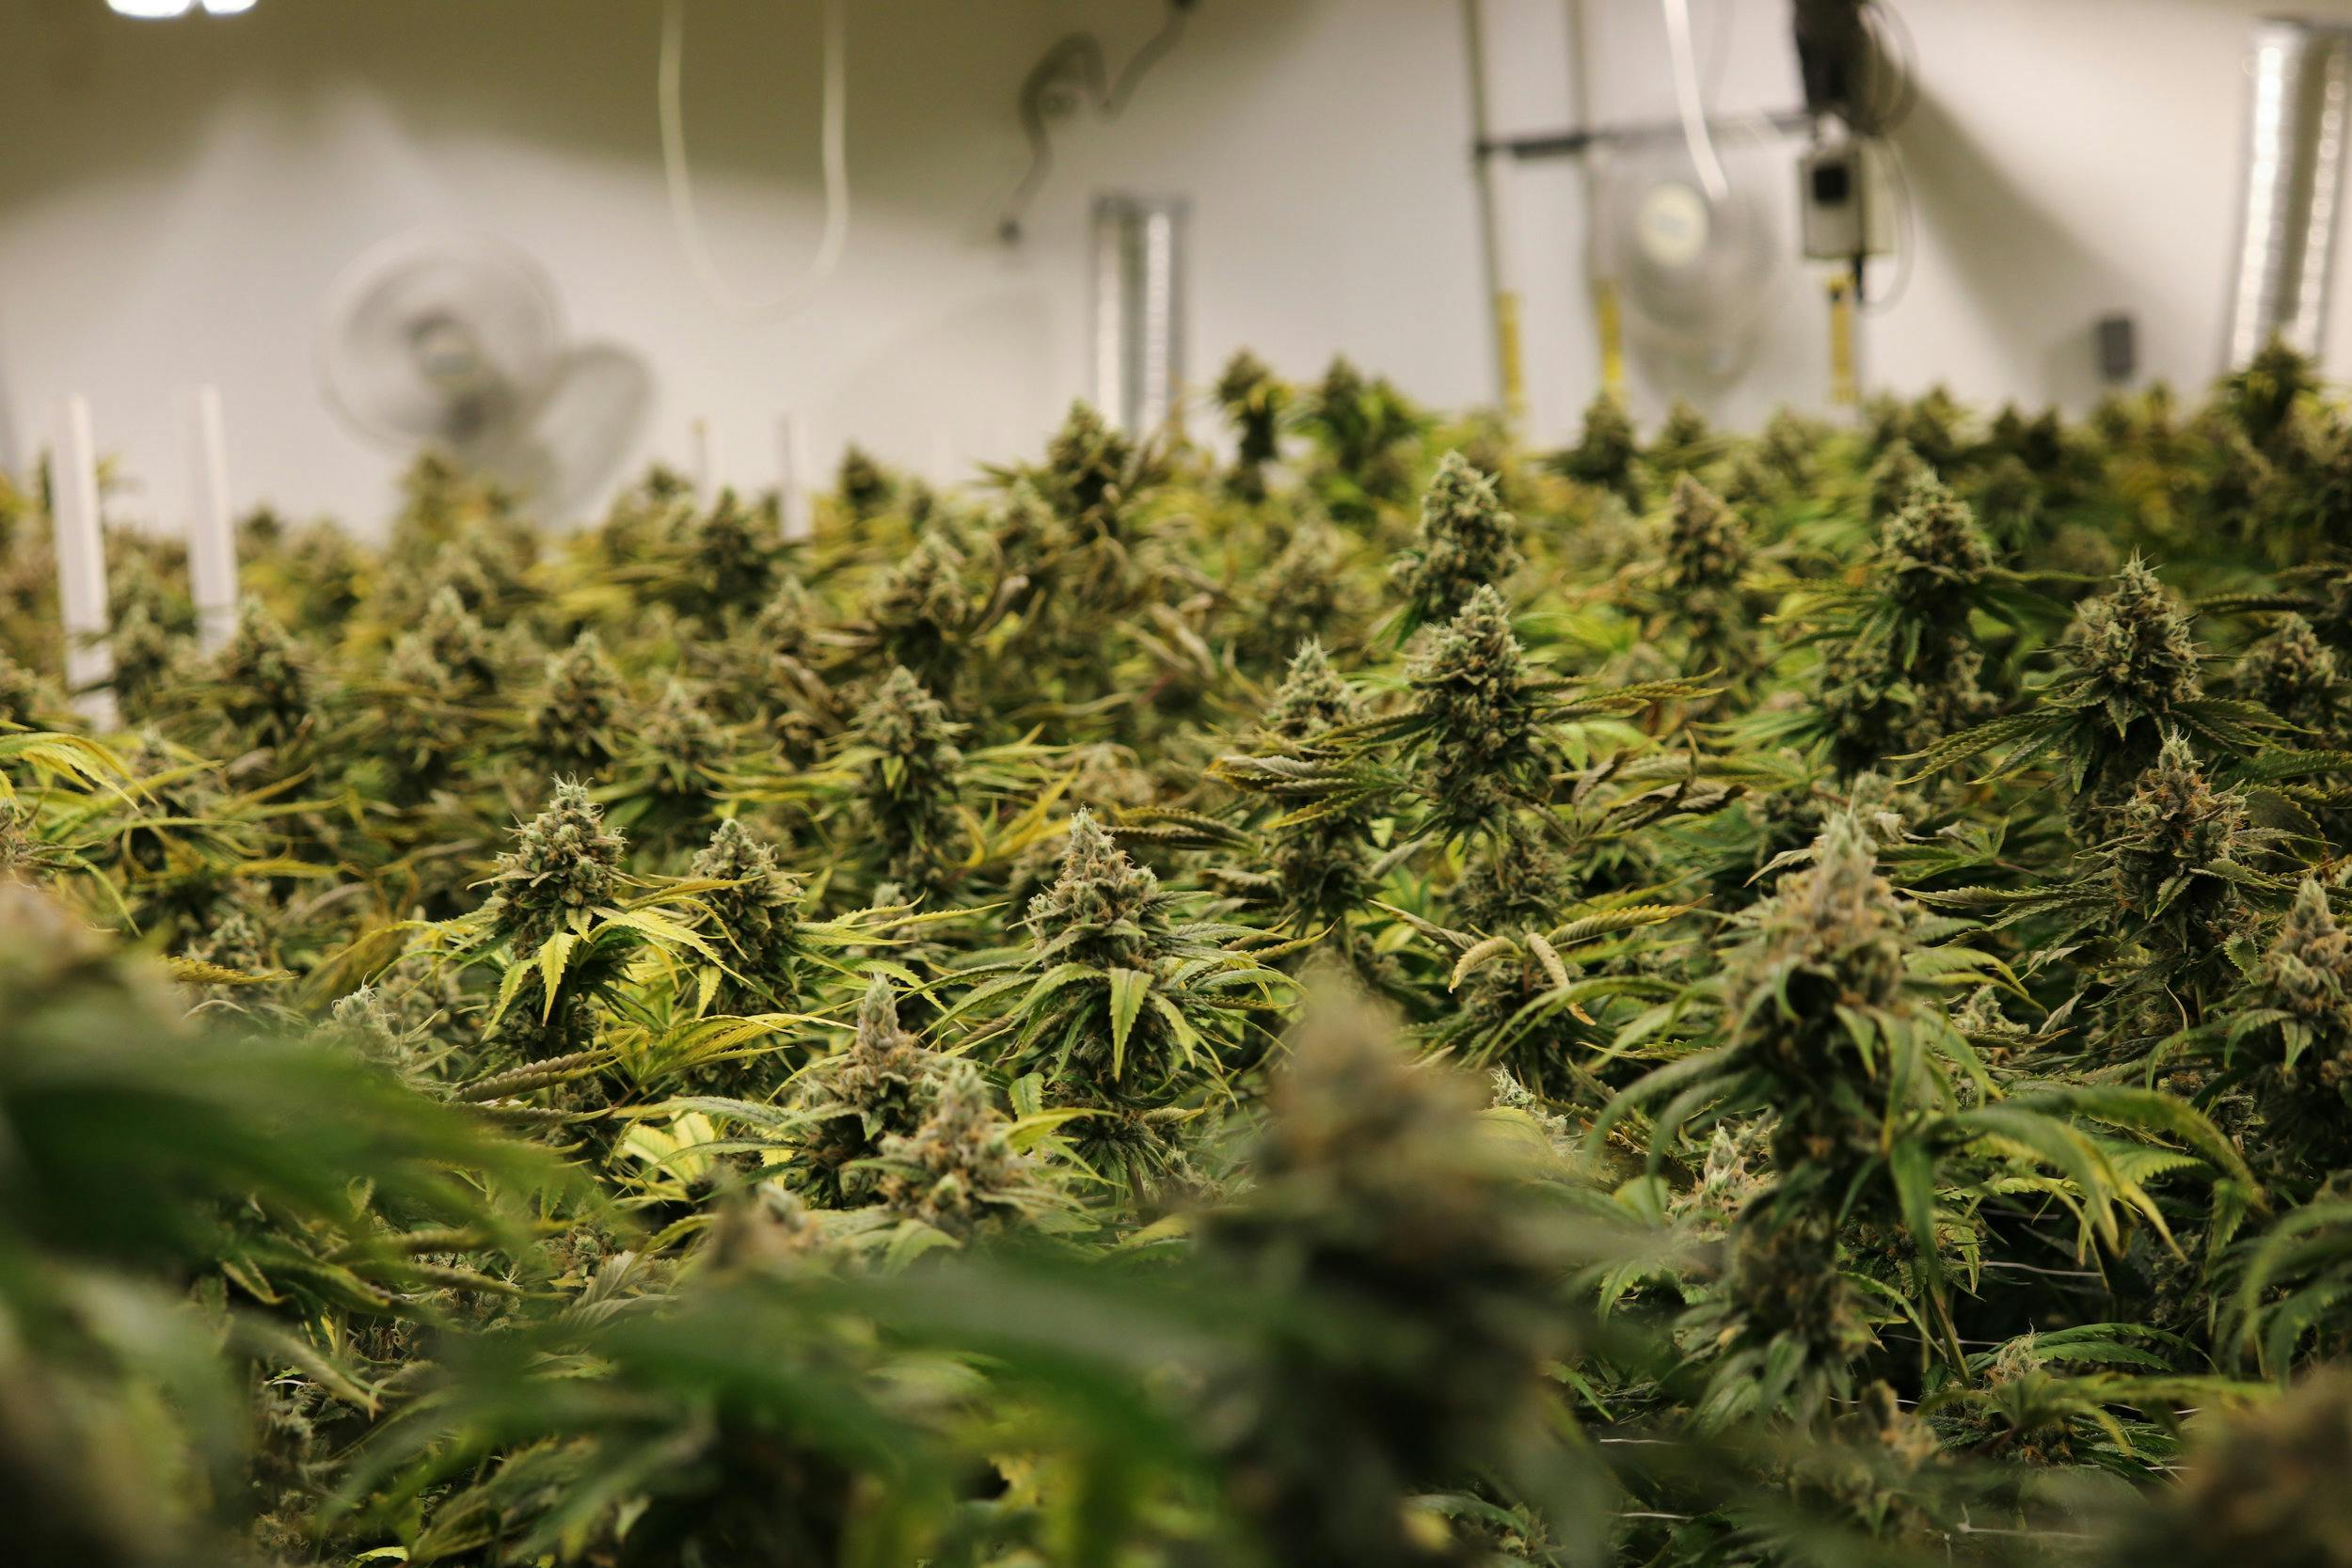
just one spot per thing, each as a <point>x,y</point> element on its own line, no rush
<point>454,340</point>
<point>1692,251</point>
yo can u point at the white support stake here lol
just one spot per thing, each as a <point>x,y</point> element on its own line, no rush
<point>792,479</point>
<point>211,533</point>
<point>81,545</point>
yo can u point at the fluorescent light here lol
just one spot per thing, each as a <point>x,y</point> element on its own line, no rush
<point>158,10</point>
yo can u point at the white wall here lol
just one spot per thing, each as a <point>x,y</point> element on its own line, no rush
<point>175,200</point>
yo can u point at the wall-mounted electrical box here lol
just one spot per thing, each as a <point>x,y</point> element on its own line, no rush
<point>1847,194</point>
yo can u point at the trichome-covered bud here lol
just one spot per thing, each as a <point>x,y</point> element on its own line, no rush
<point>1103,908</point>
<point>564,864</point>
<point>1312,698</point>
<point>574,726</point>
<point>1471,682</point>
<point>957,1171</point>
<point>1467,542</point>
<point>263,678</point>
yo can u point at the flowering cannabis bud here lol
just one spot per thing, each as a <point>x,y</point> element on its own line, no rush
<point>1424,1289</point>
<point>1467,542</point>
<point>2304,983</point>
<point>145,654</point>
<point>1931,551</point>
<point>1893,477</point>
<point>1789,447</point>
<point>2262,396</point>
<point>1104,909</point>
<point>1086,473</point>
<point>2135,644</point>
<point>234,940</point>
<point>1320,863</point>
<point>1829,944</point>
<point>2295,675</point>
<point>1302,593</point>
<point>757,915</point>
<point>1684,441</point>
<point>2009,502</point>
<point>564,864</point>
<point>1312,698</point>
<point>26,696</point>
<point>573,726</point>
<point>367,1020</point>
<point>1471,681</point>
<point>459,643</point>
<point>1729,1179</point>
<point>881,1086</point>
<point>909,785</point>
<point>2174,839</point>
<point>1361,427</point>
<point>865,489</point>
<point>1604,453</point>
<point>956,1172</point>
<point>730,552</point>
<point>677,734</point>
<point>2266,1488</point>
<point>1254,399</point>
<point>263,678</point>
<point>1706,555</point>
<point>918,612</point>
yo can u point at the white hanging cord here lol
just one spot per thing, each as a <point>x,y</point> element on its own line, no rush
<point>680,181</point>
<point>1689,100</point>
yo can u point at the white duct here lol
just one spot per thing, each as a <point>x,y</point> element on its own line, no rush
<point>2301,79</point>
<point>1139,309</point>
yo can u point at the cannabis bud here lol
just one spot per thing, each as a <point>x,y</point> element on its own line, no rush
<point>881,1086</point>
<point>1472,685</point>
<point>2294,676</point>
<point>1086,473</point>
<point>1312,697</point>
<point>2134,643</point>
<point>757,913</point>
<point>564,864</point>
<point>458,642</point>
<point>263,679</point>
<point>909,786</point>
<point>1425,1296</point>
<point>1892,479</point>
<point>1103,908</point>
<point>956,1172</point>
<point>1932,550</point>
<point>574,723</point>
<point>1467,542</point>
<point>1604,453</point>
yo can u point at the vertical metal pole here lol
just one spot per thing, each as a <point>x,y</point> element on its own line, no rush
<point>211,532</point>
<point>81,546</point>
<point>2295,145</point>
<point>1503,300</point>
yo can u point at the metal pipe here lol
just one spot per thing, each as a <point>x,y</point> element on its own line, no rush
<point>2301,80</point>
<point>1503,300</point>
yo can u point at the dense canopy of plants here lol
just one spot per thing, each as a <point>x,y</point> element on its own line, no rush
<point>1344,995</point>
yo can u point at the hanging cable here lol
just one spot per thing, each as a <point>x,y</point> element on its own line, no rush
<point>1077,61</point>
<point>1689,100</point>
<point>679,179</point>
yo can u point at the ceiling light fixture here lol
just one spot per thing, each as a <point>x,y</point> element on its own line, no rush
<point>160,10</point>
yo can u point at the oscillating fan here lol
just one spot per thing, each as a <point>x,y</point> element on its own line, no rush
<point>454,340</point>
<point>1692,253</point>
